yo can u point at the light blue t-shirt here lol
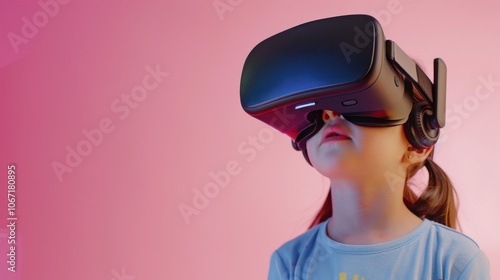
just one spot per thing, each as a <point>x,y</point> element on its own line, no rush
<point>430,252</point>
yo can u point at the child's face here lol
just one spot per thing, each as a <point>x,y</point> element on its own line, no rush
<point>342,150</point>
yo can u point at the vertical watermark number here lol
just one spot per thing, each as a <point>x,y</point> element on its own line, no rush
<point>11,218</point>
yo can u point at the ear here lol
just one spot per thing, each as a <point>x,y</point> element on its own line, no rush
<point>414,155</point>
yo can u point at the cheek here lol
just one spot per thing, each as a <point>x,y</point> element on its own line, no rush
<point>312,145</point>
<point>373,150</point>
<point>382,145</point>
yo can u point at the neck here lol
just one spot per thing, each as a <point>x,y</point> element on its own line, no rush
<point>368,214</point>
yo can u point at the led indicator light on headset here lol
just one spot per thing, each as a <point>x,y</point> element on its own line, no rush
<point>305,105</point>
<point>350,102</point>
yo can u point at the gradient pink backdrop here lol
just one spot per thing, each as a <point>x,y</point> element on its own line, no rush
<point>116,214</point>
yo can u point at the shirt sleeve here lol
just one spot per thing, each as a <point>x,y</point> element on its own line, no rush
<point>478,268</point>
<point>277,268</point>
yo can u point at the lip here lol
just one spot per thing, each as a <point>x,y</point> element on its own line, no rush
<point>334,133</point>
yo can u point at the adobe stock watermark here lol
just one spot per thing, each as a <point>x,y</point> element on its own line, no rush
<point>248,150</point>
<point>311,262</point>
<point>455,117</point>
<point>223,6</point>
<point>396,180</point>
<point>362,36</point>
<point>315,259</point>
<point>39,19</point>
<point>121,107</point>
<point>121,276</point>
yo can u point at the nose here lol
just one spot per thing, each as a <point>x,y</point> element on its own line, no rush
<point>329,115</point>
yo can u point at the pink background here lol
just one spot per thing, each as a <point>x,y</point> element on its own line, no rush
<point>116,214</point>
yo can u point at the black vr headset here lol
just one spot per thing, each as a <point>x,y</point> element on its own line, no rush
<point>346,65</point>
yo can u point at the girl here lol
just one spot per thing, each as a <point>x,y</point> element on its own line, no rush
<point>372,226</point>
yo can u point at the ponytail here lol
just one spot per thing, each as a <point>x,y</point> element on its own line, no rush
<point>436,203</point>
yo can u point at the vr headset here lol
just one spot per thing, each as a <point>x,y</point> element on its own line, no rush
<point>346,65</point>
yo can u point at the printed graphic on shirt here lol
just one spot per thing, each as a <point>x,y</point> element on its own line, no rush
<point>343,276</point>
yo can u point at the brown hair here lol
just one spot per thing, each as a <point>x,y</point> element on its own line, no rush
<point>437,202</point>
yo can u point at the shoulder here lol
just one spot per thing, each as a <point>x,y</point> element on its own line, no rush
<point>452,239</point>
<point>300,245</point>
<point>284,259</point>
<point>460,252</point>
